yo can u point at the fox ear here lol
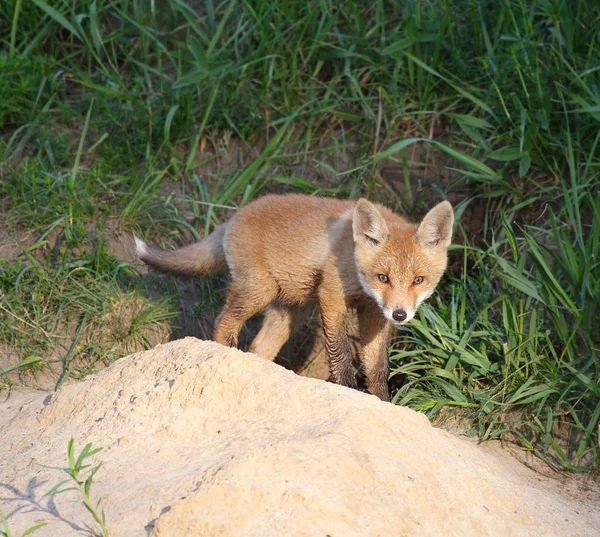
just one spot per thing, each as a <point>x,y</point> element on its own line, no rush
<point>435,231</point>
<point>368,225</point>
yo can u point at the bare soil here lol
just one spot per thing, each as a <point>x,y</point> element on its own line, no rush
<point>200,439</point>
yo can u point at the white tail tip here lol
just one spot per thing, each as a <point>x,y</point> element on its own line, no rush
<point>141,249</point>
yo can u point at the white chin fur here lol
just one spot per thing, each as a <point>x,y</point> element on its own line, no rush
<point>141,249</point>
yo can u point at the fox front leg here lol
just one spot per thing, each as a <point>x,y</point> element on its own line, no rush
<point>374,337</point>
<point>337,346</point>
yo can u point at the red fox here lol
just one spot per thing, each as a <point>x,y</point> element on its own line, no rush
<point>285,252</point>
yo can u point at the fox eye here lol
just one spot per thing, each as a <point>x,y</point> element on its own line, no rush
<point>418,280</point>
<point>383,278</point>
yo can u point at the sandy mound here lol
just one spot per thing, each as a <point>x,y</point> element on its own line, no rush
<point>203,440</point>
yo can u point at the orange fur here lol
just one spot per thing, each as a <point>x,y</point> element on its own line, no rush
<point>285,252</point>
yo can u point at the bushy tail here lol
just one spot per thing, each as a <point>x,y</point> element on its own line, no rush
<point>199,259</point>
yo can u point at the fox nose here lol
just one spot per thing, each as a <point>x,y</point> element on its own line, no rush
<point>399,315</point>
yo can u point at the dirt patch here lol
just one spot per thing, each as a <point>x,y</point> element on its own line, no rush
<point>203,440</point>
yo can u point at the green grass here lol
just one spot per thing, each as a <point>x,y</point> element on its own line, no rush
<point>5,531</point>
<point>160,118</point>
<point>81,478</point>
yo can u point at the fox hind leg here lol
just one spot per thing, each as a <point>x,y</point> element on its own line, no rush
<point>242,303</point>
<point>279,323</point>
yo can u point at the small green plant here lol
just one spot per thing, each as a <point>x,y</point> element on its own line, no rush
<point>76,472</point>
<point>5,531</point>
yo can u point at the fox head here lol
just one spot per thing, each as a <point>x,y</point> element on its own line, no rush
<point>399,264</point>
